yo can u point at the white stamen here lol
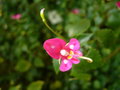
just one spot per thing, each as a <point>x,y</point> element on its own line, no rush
<point>71,46</point>
<point>86,58</point>
<point>59,60</point>
<point>66,44</point>
<point>65,61</point>
<point>63,52</point>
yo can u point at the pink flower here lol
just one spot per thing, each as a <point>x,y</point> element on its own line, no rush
<point>66,52</point>
<point>118,4</point>
<point>16,16</point>
<point>75,11</point>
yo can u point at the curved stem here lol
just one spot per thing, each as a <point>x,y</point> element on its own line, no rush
<point>86,58</point>
<point>45,22</point>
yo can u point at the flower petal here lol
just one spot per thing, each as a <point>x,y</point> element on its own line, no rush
<point>16,16</point>
<point>118,4</point>
<point>53,47</point>
<point>75,61</point>
<point>75,11</point>
<point>65,65</point>
<point>78,54</point>
<point>74,44</point>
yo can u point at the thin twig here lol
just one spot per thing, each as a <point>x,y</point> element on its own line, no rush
<point>112,54</point>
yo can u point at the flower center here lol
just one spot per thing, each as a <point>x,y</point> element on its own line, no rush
<point>64,52</point>
<point>70,55</point>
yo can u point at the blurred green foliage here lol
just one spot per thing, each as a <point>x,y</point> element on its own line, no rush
<point>24,64</point>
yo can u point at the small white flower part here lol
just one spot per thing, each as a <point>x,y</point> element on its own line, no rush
<point>54,17</point>
<point>42,14</point>
<point>65,61</point>
<point>71,46</point>
<point>42,11</point>
<point>63,52</point>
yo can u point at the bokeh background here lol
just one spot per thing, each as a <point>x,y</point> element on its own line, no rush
<point>25,65</point>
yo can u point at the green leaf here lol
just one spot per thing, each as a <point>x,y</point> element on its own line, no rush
<point>105,37</point>
<point>56,65</point>
<point>32,74</point>
<point>1,60</point>
<point>77,28</point>
<point>55,85</point>
<point>84,66</point>
<point>15,87</point>
<point>96,57</point>
<point>73,18</point>
<point>37,85</point>
<point>38,63</point>
<point>98,20</point>
<point>37,1</point>
<point>97,84</point>
<point>83,37</point>
<point>81,76</point>
<point>84,25</point>
<point>113,20</point>
<point>23,66</point>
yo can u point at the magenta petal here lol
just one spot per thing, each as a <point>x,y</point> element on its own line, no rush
<point>75,11</point>
<point>53,47</point>
<point>74,44</point>
<point>65,66</point>
<point>78,54</point>
<point>16,16</point>
<point>75,61</point>
<point>118,4</point>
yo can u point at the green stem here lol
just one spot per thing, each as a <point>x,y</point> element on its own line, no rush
<point>116,51</point>
<point>45,22</point>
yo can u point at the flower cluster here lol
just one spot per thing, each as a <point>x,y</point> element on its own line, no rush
<point>68,53</point>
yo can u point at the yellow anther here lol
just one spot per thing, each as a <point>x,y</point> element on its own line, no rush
<point>71,52</point>
<point>69,57</point>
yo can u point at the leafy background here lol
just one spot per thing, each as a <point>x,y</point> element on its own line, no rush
<point>24,64</point>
